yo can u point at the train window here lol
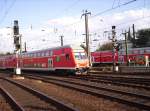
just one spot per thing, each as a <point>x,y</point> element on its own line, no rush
<point>57,59</point>
<point>83,56</point>
<point>34,54</point>
<point>47,53</point>
<point>135,51</point>
<point>42,54</point>
<point>148,51</point>
<point>38,54</point>
<point>130,51</point>
<point>67,57</point>
<point>77,56</point>
<point>80,55</point>
<point>142,51</point>
<point>50,52</point>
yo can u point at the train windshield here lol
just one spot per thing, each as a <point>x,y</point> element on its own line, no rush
<point>80,55</point>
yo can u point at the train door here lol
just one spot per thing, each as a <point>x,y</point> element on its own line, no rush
<point>50,63</point>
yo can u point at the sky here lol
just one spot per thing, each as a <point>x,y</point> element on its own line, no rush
<point>42,22</point>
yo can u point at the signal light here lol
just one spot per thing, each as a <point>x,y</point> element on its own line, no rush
<point>16,28</point>
<point>16,40</point>
<point>17,46</point>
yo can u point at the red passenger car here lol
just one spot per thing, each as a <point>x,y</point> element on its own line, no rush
<point>136,56</point>
<point>103,58</point>
<point>69,59</point>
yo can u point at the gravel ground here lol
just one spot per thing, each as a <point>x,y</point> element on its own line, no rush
<point>82,101</point>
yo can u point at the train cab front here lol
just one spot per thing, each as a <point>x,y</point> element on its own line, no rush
<point>82,63</point>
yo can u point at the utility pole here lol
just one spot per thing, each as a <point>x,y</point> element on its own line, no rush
<point>87,35</point>
<point>25,47</point>
<point>126,46</point>
<point>134,42</point>
<point>61,38</point>
<point>114,47</point>
<point>17,43</point>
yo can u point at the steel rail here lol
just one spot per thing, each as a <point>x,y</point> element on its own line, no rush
<point>115,82</point>
<point>109,94</point>
<point>14,104</point>
<point>57,103</point>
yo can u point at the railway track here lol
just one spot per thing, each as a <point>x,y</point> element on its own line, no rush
<point>142,83</point>
<point>7,102</point>
<point>31,99</point>
<point>105,79</point>
<point>131,98</point>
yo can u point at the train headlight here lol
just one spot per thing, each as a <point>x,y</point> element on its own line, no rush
<point>77,65</point>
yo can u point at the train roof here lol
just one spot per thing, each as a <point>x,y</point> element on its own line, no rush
<point>75,47</point>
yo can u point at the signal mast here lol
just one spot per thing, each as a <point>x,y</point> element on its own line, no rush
<point>17,43</point>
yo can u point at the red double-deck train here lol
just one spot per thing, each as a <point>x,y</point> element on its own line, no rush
<point>68,59</point>
<point>136,56</point>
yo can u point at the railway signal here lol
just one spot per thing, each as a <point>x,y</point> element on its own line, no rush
<point>118,46</point>
<point>16,35</point>
<point>114,47</point>
<point>17,43</point>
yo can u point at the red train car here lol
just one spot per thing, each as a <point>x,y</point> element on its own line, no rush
<point>69,59</point>
<point>136,56</point>
<point>103,58</point>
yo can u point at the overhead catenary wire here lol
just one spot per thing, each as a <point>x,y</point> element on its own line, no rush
<point>72,5</point>
<point>113,3</point>
<point>110,9</point>
<point>133,20</point>
<point>7,11</point>
<point>129,21</point>
<point>107,10</point>
<point>119,5</point>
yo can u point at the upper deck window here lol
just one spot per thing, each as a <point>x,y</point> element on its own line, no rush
<point>47,53</point>
<point>42,54</point>
<point>50,52</point>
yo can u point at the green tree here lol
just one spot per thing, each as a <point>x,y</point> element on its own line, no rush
<point>106,46</point>
<point>143,38</point>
